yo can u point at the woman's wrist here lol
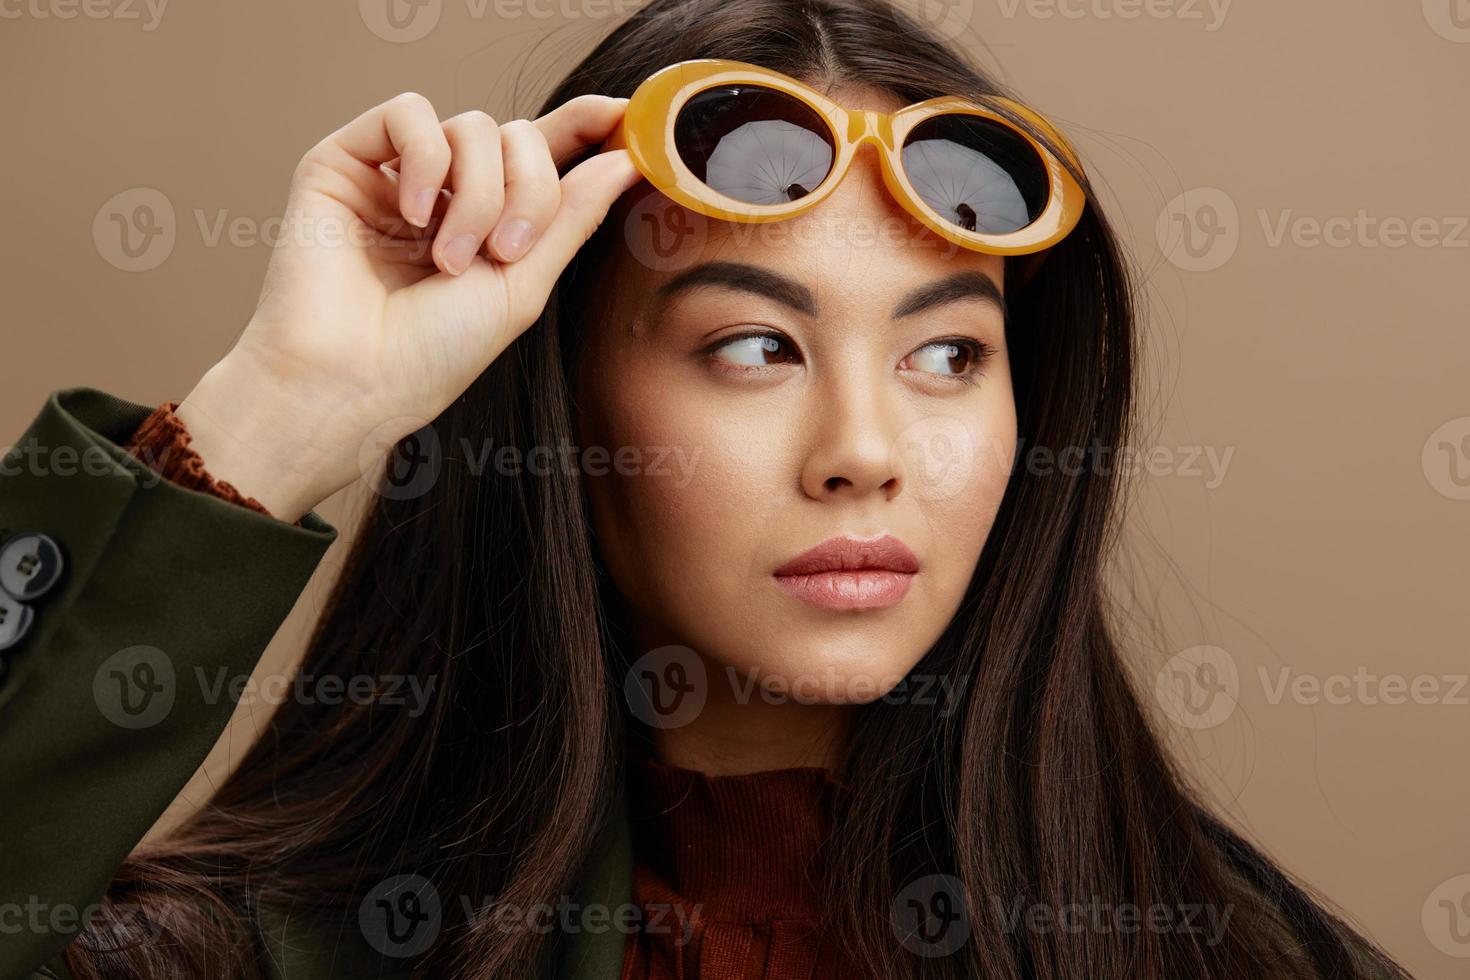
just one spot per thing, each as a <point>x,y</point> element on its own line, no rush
<point>285,450</point>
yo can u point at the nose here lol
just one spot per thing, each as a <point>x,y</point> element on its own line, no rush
<point>852,453</point>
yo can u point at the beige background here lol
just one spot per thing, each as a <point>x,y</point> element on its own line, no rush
<point>1330,537</point>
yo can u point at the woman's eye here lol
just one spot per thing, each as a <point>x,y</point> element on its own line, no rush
<point>754,350</point>
<point>957,357</point>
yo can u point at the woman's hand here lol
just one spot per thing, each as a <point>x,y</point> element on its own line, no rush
<point>380,305</point>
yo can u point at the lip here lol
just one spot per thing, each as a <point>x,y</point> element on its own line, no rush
<point>848,573</point>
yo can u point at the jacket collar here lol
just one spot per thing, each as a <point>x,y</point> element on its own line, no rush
<point>593,948</point>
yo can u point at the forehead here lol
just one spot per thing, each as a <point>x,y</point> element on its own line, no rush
<point>862,97</point>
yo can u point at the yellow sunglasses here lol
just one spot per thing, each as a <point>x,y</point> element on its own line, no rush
<point>738,142</point>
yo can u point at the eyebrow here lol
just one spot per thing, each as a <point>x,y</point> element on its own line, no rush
<point>969,284</point>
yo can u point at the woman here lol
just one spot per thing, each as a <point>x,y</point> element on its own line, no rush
<point>913,750</point>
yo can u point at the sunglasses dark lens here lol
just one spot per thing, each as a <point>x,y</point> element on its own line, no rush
<point>753,143</point>
<point>978,173</point>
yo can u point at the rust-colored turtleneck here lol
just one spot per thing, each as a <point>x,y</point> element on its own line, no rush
<point>732,862</point>
<point>725,867</point>
<point>163,442</point>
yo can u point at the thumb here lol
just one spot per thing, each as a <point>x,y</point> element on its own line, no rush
<point>587,193</point>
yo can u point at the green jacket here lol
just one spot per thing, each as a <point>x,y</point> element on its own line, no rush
<point>98,733</point>
<point>101,723</point>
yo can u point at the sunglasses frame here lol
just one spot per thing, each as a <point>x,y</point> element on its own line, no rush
<point>646,131</point>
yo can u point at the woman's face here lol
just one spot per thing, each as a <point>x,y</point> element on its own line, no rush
<point>773,387</point>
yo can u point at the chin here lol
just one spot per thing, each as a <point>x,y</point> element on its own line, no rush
<point>850,671</point>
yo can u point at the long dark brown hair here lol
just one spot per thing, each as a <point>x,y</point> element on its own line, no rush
<point>1046,787</point>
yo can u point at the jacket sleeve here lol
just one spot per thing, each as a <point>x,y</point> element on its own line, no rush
<point>128,604</point>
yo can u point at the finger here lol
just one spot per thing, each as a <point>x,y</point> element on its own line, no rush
<point>532,190</point>
<point>405,126</point>
<point>376,203</point>
<point>575,125</point>
<point>587,192</point>
<point>477,189</point>
<point>580,123</point>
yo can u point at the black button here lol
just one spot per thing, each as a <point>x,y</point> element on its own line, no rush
<point>15,621</point>
<point>30,564</point>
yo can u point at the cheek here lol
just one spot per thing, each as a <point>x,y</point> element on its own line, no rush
<point>958,467</point>
<point>994,448</point>
<point>688,522</point>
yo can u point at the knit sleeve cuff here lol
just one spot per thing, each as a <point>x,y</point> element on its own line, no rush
<point>162,442</point>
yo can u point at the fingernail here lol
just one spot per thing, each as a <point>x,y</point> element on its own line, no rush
<point>512,239</point>
<point>423,207</point>
<point>458,252</point>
